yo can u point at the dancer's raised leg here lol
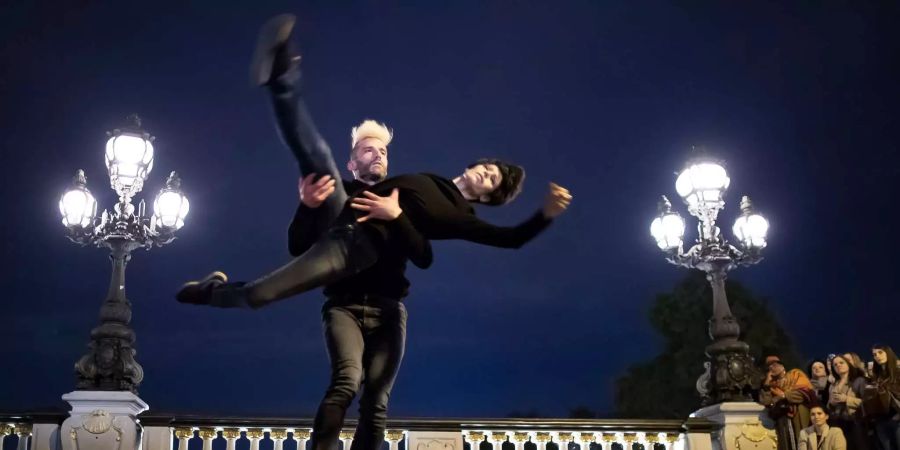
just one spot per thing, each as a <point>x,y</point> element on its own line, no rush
<point>276,65</point>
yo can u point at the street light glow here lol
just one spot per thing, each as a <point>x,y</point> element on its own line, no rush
<point>668,230</point>
<point>78,207</point>
<point>170,209</point>
<point>751,228</point>
<point>129,159</point>
<point>702,185</point>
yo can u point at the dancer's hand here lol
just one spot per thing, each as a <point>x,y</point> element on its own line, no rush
<point>384,208</point>
<point>557,200</point>
<point>313,194</point>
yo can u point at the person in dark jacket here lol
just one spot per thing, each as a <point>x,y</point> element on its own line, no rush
<point>364,318</point>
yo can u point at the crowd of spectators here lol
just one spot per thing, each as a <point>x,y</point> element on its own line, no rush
<point>838,403</point>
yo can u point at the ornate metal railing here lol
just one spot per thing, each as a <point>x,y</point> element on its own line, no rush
<point>185,432</point>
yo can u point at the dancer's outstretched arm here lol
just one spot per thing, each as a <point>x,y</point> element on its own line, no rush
<point>470,228</point>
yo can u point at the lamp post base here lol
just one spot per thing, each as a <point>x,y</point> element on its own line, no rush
<point>102,420</point>
<point>745,425</point>
<point>732,376</point>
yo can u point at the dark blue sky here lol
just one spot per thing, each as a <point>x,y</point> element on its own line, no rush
<point>605,98</point>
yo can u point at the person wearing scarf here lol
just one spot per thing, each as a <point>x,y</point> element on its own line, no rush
<point>787,395</point>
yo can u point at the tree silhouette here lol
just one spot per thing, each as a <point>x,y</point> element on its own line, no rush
<point>665,387</point>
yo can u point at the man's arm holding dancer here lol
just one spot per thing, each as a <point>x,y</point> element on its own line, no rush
<point>307,226</point>
<point>389,209</point>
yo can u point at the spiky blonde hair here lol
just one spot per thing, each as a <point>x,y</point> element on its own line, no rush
<point>370,128</point>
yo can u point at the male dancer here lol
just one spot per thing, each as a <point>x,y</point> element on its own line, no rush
<point>364,319</point>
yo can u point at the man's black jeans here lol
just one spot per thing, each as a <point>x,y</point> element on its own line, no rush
<point>366,338</point>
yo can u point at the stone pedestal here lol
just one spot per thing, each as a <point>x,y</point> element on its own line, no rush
<point>745,426</point>
<point>102,420</point>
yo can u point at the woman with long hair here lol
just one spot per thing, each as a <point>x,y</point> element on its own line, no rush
<point>886,378</point>
<point>844,400</point>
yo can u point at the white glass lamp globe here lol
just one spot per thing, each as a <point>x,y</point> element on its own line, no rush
<point>702,186</point>
<point>170,206</point>
<point>129,159</point>
<point>77,206</point>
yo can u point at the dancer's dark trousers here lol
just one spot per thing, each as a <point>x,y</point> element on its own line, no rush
<point>299,133</point>
<point>366,337</point>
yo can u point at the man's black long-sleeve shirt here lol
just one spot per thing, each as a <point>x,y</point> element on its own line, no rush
<point>387,277</point>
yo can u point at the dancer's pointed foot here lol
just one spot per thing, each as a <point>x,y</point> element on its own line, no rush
<point>272,56</point>
<point>199,292</point>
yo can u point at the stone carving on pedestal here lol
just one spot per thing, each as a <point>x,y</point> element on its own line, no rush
<point>102,420</point>
<point>97,430</point>
<point>745,426</point>
<point>754,436</point>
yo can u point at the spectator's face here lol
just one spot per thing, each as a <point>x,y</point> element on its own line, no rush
<point>818,370</point>
<point>840,365</point>
<point>879,355</point>
<point>818,416</point>
<point>370,160</point>
<point>776,369</point>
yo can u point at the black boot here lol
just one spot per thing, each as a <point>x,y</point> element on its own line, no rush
<point>273,55</point>
<point>199,292</point>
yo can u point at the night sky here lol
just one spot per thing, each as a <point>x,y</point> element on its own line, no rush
<point>606,98</point>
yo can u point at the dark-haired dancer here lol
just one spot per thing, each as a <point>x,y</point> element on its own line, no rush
<point>396,219</point>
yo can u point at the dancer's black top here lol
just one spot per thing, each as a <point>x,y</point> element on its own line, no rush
<point>387,276</point>
<point>433,208</point>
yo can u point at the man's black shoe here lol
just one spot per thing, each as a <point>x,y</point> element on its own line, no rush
<point>200,292</point>
<point>272,57</point>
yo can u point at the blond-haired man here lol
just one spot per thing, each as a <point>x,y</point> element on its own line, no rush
<point>364,319</point>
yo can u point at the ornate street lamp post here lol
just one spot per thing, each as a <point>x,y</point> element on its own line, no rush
<point>109,364</point>
<point>702,184</point>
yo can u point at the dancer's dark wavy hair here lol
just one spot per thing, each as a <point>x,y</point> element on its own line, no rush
<point>510,186</point>
<point>889,371</point>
